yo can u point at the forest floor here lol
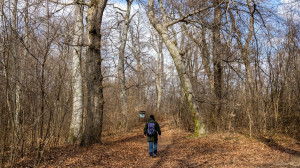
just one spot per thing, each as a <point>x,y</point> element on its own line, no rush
<point>177,149</point>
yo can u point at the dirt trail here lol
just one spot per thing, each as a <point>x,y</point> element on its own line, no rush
<point>176,149</point>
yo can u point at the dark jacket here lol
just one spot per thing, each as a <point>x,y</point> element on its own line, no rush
<point>157,128</point>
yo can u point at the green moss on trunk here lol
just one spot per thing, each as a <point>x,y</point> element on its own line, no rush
<point>72,138</point>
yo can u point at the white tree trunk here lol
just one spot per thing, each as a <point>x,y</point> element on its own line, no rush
<point>16,68</point>
<point>76,123</point>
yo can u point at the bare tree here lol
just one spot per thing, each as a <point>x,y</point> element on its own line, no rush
<point>244,49</point>
<point>157,45</point>
<point>121,70</point>
<point>136,47</point>
<point>162,29</point>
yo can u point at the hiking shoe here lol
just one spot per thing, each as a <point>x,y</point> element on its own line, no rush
<point>154,155</point>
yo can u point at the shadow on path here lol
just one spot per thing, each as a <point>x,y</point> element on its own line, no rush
<point>163,154</point>
<point>127,139</point>
<point>274,145</point>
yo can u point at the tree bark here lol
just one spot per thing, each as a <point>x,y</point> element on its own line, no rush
<point>217,47</point>
<point>4,120</point>
<point>76,123</point>
<point>95,101</point>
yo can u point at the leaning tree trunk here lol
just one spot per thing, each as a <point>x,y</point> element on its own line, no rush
<point>162,29</point>
<point>76,123</point>
<point>95,102</point>
<point>185,83</point>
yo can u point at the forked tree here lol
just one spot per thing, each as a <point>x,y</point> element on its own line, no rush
<point>162,26</point>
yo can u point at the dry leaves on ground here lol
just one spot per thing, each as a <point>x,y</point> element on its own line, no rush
<point>177,149</point>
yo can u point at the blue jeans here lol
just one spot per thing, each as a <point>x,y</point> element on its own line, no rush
<point>151,147</point>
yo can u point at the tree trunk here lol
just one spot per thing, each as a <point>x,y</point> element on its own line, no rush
<point>205,55</point>
<point>244,48</point>
<point>159,73</point>
<point>140,82</point>
<point>206,59</point>
<point>177,56</point>
<point>185,83</point>
<point>95,101</point>
<point>17,66</point>
<point>121,70</point>
<point>76,123</point>
<point>16,105</point>
<point>4,120</point>
<point>217,47</point>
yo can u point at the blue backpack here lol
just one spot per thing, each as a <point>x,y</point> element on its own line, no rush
<point>151,129</point>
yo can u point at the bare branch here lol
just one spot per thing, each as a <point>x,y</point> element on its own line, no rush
<point>120,14</point>
<point>117,7</point>
<point>191,14</point>
<point>60,3</point>
<point>73,3</point>
<point>132,17</point>
<point>82,3</point>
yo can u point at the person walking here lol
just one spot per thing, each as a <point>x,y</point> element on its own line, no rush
<point>151,131</point>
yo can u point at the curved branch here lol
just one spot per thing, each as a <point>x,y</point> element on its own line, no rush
<point>73,3</point>
<point>191,14</point>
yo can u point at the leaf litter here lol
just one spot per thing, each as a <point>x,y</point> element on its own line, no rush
<point>176,149</point>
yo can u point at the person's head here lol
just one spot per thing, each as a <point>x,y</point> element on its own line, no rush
<point>152,116</point>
